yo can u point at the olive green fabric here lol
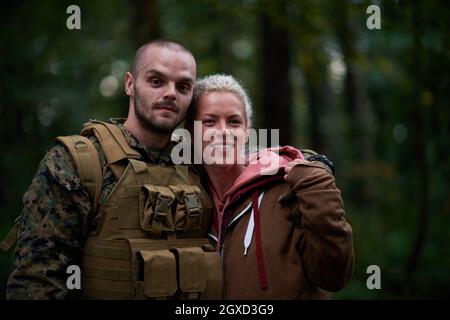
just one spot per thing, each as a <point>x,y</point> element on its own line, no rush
<point>149,243</point>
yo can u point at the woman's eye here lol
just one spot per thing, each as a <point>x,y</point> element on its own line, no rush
<point>235,122</point>
<point>208,121</point>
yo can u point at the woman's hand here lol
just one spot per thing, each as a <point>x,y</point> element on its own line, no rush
<point>292,164</point>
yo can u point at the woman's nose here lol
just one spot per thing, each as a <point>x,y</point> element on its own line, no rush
<point>223,128</point>
<point>223,132</point>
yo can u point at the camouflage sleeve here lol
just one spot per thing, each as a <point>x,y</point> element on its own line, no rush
<point>52,230</point>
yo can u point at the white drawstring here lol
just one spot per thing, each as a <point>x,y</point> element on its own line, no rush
<point>250,227</point>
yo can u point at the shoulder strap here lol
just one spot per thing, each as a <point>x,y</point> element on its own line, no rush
<point>11,237</point>
<point>308,153</point>
<point>88,164</point>
<point>113,142</point>
<point>311,155</point>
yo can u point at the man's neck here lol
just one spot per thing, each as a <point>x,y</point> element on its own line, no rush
<point>148,138</point>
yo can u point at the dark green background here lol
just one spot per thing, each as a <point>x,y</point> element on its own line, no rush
<point>375,101</point>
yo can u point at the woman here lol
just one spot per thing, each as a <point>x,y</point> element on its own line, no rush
<point>282,236</point>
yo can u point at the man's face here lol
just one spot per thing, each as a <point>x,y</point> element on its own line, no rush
<point>162,88</point>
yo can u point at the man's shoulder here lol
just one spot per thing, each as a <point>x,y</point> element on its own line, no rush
<point>61,166</point>
<point>312,155</point>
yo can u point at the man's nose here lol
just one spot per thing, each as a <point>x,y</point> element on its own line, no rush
<point>170,92</point>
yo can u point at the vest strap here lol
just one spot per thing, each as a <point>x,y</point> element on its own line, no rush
<point>88,165</point>
<point>11,237</point>
<point>105,294</point>
<point>114,144</point>
<point>107,289</point>
<point>140,170</point>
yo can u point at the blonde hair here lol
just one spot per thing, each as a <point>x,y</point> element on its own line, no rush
<point>218,83</point>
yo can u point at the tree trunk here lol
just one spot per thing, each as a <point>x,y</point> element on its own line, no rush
<point>318,90</point>
<point>419,142</point>
<point>277,93</point>
<point>355,101</point>
<point>146,25</point>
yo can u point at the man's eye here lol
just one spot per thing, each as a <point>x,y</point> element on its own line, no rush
<point>184,88</point>
<point>155,82</point>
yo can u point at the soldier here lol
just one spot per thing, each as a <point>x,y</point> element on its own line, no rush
<point>111,200</point>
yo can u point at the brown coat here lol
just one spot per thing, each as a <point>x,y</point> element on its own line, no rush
<point>306,242</point>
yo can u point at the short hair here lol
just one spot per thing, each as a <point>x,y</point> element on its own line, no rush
<point>161,43</point>
<point>218,83</point>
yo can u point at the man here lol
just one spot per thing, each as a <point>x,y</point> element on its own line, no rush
<point>121,234</point>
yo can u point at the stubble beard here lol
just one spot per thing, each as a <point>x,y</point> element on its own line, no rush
<point>147,121</point>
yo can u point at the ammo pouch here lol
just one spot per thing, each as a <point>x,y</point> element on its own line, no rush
<point>170,208</point>
<point>151,269</point>
<point>178,273</point>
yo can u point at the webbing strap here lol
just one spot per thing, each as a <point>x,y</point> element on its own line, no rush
<point>107,274</point>
<point>109,249</point>
<point>113,142</point>
<point>10,238</point>
<point>112,285</point>
<point>107,289</point>
<point>182,171</point>
<point>140,170</point>
<point>88,165</point>
<point>107,294</point>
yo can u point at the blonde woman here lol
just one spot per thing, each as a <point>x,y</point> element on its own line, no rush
<point>281,236</point>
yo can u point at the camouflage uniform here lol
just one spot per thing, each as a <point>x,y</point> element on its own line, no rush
<point>56,220</point>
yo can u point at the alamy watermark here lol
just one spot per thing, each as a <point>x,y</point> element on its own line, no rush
<point>74,279</point>
<point>234,146</point>
<point>374,20</point>
<point>73,22</point>
<point>374,280</point>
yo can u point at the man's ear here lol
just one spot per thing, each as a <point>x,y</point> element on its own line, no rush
<point>129,84</point>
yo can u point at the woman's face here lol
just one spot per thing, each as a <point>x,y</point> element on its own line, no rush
<point>224,128</point>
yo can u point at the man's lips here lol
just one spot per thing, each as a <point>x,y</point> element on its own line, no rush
<point>166,108</point>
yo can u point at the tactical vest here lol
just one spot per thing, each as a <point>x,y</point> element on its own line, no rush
<point>151,240</point>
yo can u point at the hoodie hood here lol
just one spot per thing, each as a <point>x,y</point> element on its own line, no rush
<point>262,167</point>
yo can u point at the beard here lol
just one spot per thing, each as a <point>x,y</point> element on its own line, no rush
<point>149,121</point>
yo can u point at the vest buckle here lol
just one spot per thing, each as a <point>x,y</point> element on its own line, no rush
<point>192,206</point>
<point>162,206</point>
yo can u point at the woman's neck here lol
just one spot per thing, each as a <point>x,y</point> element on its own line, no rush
<point>222,178</point>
